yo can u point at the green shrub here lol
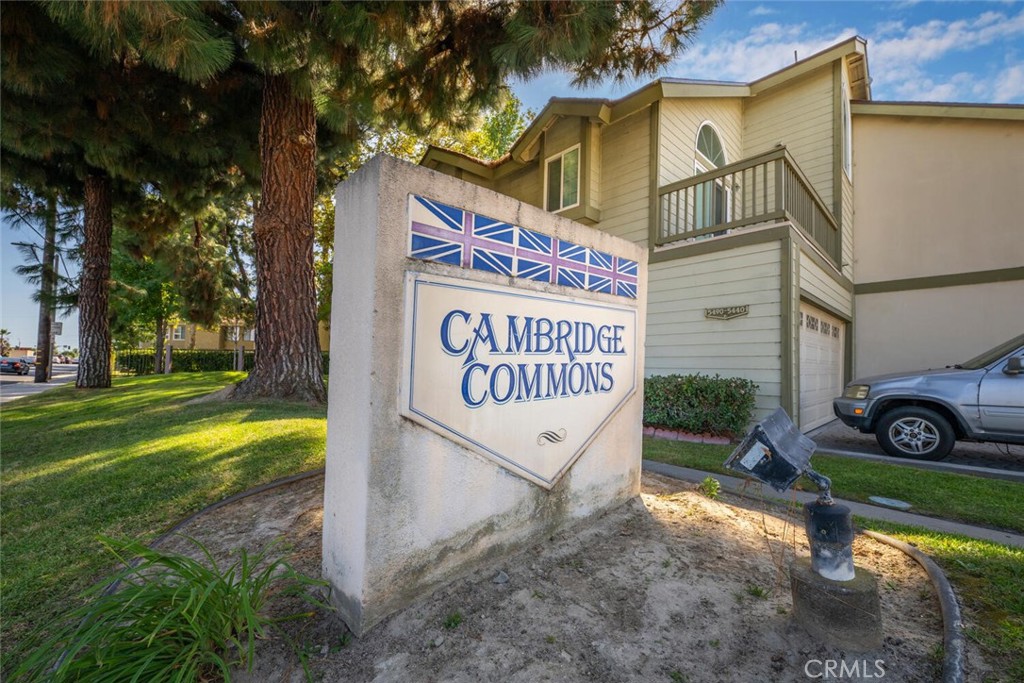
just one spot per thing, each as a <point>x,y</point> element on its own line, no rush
<point>140,361</point>
<point>699,404</point>
<point>173,618</point>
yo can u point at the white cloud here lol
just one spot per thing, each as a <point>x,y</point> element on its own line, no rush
<point>903,58</point>
<point>761,11</point>
<point>920,88</point>
<point>936,38</point>
<point>1009,85</point>
<point>901,54</point>
<point>764,49</point>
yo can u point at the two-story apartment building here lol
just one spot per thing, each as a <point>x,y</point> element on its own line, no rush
<point>745,195</point>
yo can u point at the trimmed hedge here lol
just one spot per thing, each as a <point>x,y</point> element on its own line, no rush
<point>140,362</point>
<point>699,404</point>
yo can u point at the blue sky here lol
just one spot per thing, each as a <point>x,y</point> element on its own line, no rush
<point>919,51</point>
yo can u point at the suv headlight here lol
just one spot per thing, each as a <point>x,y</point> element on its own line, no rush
<point>857,391</point>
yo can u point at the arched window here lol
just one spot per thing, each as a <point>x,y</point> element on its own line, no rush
<point>712,198</point>
<point>710,146</point>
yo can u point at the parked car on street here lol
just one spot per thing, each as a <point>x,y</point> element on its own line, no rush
<point>17,366</point>
<point>922,414</point>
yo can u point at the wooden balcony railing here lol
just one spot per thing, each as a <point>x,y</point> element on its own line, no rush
<point>768,187</point>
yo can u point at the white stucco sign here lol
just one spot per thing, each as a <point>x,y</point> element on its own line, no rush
<point>484,389</point>
<point>524,378</point>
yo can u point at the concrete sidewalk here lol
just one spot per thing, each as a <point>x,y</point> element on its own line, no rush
<point>748,488</point>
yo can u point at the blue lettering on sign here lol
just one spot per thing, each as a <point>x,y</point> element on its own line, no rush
<point>465,335</point>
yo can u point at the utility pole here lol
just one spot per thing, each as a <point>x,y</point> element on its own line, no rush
<point>47,287</point>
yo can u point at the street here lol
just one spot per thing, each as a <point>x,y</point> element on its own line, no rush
<point>13,387</point>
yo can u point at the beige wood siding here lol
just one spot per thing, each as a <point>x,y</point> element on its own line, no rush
<point>594,162</point>
<point>680,121</point>
<point>524,185</point>
<point>816,281</point>
<point>681,340</point>
<point>625,177</point>
<point>799,116</point>
<point>562,135</point>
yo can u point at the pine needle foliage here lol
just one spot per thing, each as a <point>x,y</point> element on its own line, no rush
<point>333,70</point>
<point>171,618</point>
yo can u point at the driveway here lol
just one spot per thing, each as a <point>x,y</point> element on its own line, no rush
<point>835,436</point>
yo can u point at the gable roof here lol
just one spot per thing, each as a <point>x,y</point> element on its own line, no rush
<point>606,110</point>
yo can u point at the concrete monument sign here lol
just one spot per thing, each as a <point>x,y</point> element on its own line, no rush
<point>484,382</point>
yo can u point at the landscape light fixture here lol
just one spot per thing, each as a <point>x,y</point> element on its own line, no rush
<point>835,601</point>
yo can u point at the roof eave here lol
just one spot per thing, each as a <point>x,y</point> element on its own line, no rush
<point>948,110</point>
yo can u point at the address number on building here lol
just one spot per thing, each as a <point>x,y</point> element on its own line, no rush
<point>726,313</point>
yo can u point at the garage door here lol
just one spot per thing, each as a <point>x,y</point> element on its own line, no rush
<point>821,365</point>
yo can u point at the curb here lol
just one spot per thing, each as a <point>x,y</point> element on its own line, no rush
<point>953,640</point>
<point>170,531</point>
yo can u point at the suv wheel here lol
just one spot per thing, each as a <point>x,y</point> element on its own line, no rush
<point>913,432</point>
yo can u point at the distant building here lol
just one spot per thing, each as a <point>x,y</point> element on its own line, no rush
<point>228,336</point>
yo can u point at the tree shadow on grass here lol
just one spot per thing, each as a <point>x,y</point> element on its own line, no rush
<point>127,463</point>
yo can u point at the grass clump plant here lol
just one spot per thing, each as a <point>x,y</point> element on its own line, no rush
<point>167,617</point>
<point>710,487</point>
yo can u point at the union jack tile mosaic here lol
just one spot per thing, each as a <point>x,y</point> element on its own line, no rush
<point>439,232</point>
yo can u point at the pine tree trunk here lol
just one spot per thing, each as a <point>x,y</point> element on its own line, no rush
<point>44,352</point>
<point>288,362</point>
<point>94,288</point>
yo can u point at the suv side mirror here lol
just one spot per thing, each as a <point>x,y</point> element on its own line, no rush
<point>1012,366</point>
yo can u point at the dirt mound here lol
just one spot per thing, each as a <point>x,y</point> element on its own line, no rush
<point>669,587</point>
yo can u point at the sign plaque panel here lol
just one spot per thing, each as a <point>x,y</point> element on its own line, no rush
<point>726,312</point>
<point>524,378</point>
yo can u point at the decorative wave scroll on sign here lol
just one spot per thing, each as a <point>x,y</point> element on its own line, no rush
<point>447,234</point>
<point>551,436</point>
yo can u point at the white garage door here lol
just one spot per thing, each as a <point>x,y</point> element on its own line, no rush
<point>821,365</point>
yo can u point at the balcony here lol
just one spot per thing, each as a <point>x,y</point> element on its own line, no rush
<point>766,188</point>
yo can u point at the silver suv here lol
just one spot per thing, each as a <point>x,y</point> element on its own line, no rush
<point>922,414</point>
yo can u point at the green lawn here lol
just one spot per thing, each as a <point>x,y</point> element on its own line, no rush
<point>132,460</point>
<point>988,577</point>
<point>989,502</point>
<point>127,462</point>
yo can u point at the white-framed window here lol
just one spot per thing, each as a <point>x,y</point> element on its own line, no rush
<point>844,105</point>
<point>711,199</point>
<point>178,333</point>
<point>562,180</point>
<point>250,335</point>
